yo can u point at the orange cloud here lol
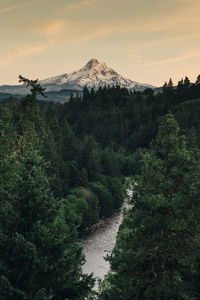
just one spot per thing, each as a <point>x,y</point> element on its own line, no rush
<point>54,27</point>
<point>25,50</point>
<point>3,10</point>
<point>50,28</point>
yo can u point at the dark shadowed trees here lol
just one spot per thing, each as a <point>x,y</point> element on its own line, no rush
<point>158,244</point>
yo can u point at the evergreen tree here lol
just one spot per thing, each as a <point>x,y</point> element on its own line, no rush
<point>170,83</point>
<point>180,83</point>
<point>158,243</point>
<point>35,87</point>
<point>168,88</point>
<point>180,88</point>
<point>165,87</point>
<point>8,167</point>
<point>70,146</point>
<point>39,258</point>
<point>186,83</point>
<point>105,198</point>
<point>198,80</point>
<point>83,178</point>
<point>91,158</point>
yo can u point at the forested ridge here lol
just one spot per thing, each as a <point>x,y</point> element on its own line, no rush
<point>63,168</point>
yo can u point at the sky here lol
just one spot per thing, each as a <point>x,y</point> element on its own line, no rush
<point>148,41</point>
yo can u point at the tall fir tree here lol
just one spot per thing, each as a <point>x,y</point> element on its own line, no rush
<point>38,250</point>
<point>39,256</point>
<point>158,243</point>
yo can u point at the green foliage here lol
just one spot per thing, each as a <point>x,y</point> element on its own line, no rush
<point>118,118</point>
<point>38,249</point>
<point>158,244</point>
<point>7,291</point>
<point>90,158</point>
<point>39,256</point>
<point>36,88</point>
<point>117,191</point>
<point>86,206</point>
<point>109,163</point>
<point>90,143</point>
<point>8,167</point>
<point>105,198</point>
<point>83,178</point>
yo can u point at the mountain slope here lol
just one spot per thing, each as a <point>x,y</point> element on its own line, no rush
<point>94,74</point>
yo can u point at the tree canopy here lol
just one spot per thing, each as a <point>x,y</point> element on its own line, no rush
<point>158,245</point>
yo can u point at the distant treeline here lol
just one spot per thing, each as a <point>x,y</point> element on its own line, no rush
<point>125,120</point>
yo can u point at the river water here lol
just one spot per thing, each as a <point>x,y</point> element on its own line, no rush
<point>100,243</point>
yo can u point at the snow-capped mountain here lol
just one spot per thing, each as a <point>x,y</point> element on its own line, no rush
<point>94,74</point>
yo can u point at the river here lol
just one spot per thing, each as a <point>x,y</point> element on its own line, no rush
<point>100,243</point>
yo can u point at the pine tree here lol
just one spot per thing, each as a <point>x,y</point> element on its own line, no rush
<point>8,166</point>
<point>91,158</point>
<point>198,80</point>
<point>170,83</point>
<point>158,243</point>
<point>83,178</point>
<point>38,252</point>
<point>165,88</point>
<point>186,82</point>
<point>70,146</point>
<point>39,256</point>
<point>180,88</point>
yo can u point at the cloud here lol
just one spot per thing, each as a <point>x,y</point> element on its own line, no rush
<point>23,51</point>
<point>169,17</point>
<point>4,10</point>
<point>162,28</point>
<point>7,9</point>
<point>79,5</point>
<point>54,27</point>
<point>37,48</point>
<point>174,59</point>
<point>51,28</point>
<point>69,31</point>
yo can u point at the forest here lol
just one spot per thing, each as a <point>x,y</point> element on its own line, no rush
<point>63,167</point>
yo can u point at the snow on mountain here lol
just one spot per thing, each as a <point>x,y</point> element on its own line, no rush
<point>94,74</point>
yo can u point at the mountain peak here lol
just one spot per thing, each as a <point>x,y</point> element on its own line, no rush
<point>94,74</point>
<point>95,68</point>
<point>92,63</point>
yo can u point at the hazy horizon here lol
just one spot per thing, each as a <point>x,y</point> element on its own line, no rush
<point>147,42</point>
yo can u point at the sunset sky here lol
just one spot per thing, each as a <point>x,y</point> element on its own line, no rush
<point>144,40</point>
